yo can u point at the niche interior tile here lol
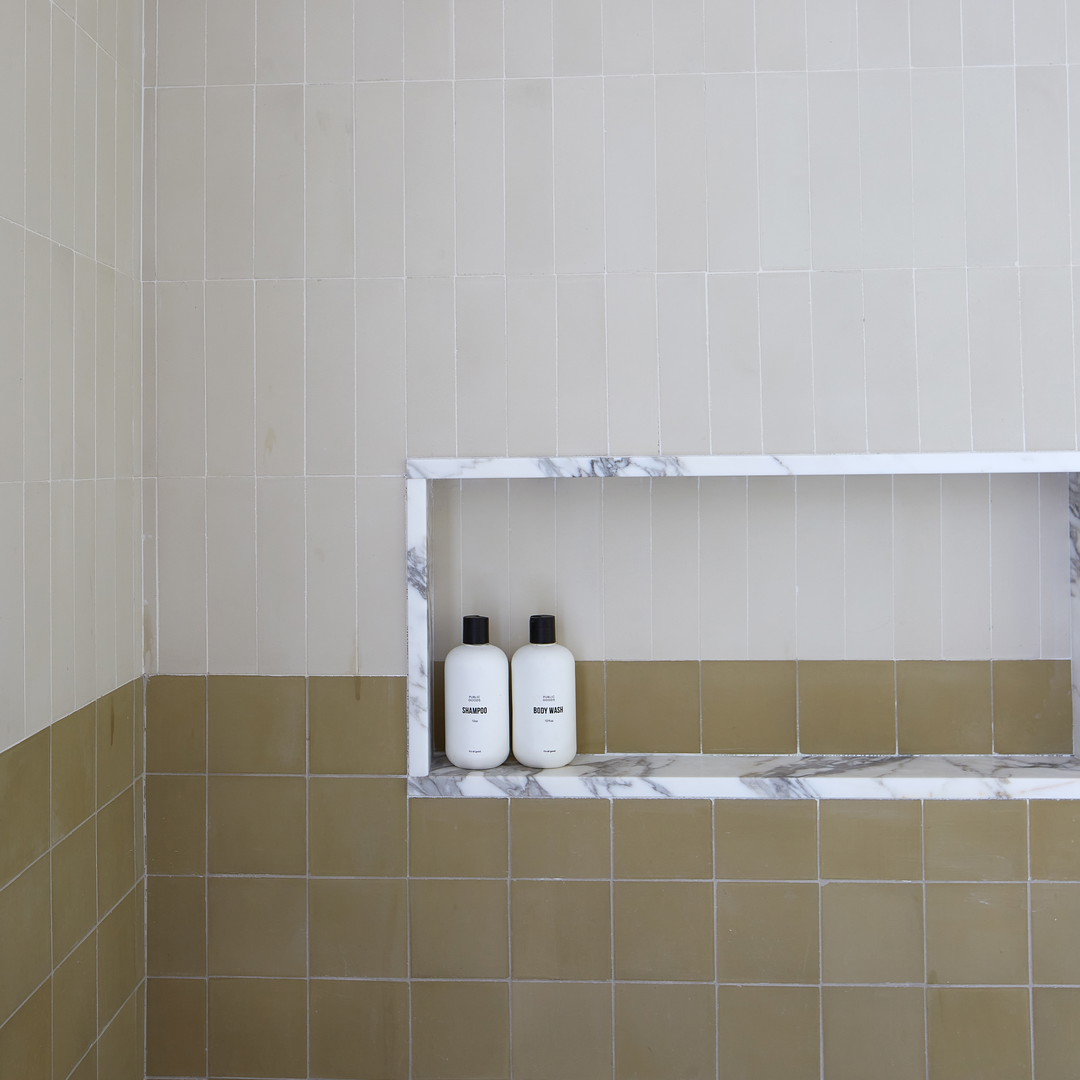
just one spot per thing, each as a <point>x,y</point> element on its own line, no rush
<point>665,1031</point>
<point>560,838</point>
<point>591,706</point>
<point>1032,707</point>
<point>176,1027</point>
<point>655,838</point>
<point>176,926</point>
<point>872,933</point>
<point>74,884</point>
<point>176,723</point>
<point>457,837</point>
<point>1056,1034</point>
<point>981,841</point>
<point>357,927</point>
<point>767,932</point>
<point>976,933</point>
<point>580,1012</point>
<point>360,1028</point>
<point>1055,840</point>
<point>882,1024</point>
<point>766,839</point>
<point>257,926</point>
<point>978,1031</point>
<point>176,824</point>
<point>847,707</point>
<point>26,1039</point>
<point>256,724</point>
<point>257,825</point>
<point>748,707</point>
<point>357,724</point>
<point>750,1018</point>
<point>75,1004</point>
<point>258,1027</point>
<point>74,772</point>
<point>944,706</point>
<point>664,930</point>
<point>458,928</point>
<point>357,827</point>
<point>24,928</point>
<point>653,706</point>
<point>460,1030</point>
<point>561,929</point>
<point>24,804</point>
<point>871,840</point>
<point>1055,933</point>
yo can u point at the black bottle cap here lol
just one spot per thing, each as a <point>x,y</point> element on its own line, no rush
<point>474,629</point>
<point>542,629</point>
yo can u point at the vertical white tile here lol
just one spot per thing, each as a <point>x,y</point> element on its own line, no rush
<point>279,41</point>
<point>1040,32</point>
<point>12,665</point>
<point>832,35</point>
<point>997,397</point>
<point>577,37</point>
<point>937,139</point>
<point>883,34</point>
<point>780,35</point>
<point>38,122</point>
<point>529,36</point>
<point>331,576</point>
<point>129,616</point>
<point>230,42</point>
<point>1014,566</point>
<point>61,374</point>
<point>62,129</point>
<point>723,566</point>
<point>85,160</point>
<point>628,621</point>
<point>868,573</point>
<point>430,366</point>
<point>630,173</point>
<point>885,142</point>
<point>181,43</point>
<point>149,554</point>
<point>37,295</point>
<point>530,157</point>
<point>379,180</point>
<point>965,567</point>
<point>734,364</point>
<point>532,559</point>
<point>230,378</point>
<point>84,370</point>
<point>329,371</point>
<point>530,365</point>
<point>109,206</point>
<point>579,176</point>
<point>579,560</point>
<point>13,90</point>
<point>1046,342</point>
<point>988,32</point>
<point>628,38</point>
<point>105,505</point>
<point>148,378</point>
<point>729,35</point>
<point>181,577</point>
<point>731,176</point>
<point>279,378</point>
<point>1074,156</point>
<point>684,364</point>
<point>429,178</point>
<point>480,306</point>
<point>990,158</point>
<point>783,172</point>
<point>917,566</point>
<point>787,383</point>
<point>281,554</point>
<point>772,580</point>
<point>485,555</point>
<point>429,39</point>
<point>935,32</point>
<point>1072,42</point>
<point>181,387</point>
<point>835,187</point>
<point>231,570</point>
<point>1054,556</point>
<point>944,369</point>
<point>328,181</point>
<point>478,177</point>
<point>819,567</point>
<point>62,572</point>
<point>680,173</point>
<point>380,39</point>
<point>632,364</point>
<point>230,181</point>
<point>179,183</point>
<point>478,39</point>
<point>676,612</point>
<point>113,393</point>
<point>678,36</point>
<point>892,402</point>
<point>84,590</point>
<point>444,566</point>
<point>12,300</point>
<point>839,363</point>
<point>380,377</point>
<point>37,592</point>
<point>580,369</point>
<point>328,41</point>
<point>1042,161</point>
<point>279,181</point>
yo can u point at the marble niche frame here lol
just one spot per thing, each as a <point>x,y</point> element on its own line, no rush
<point>714,775</point>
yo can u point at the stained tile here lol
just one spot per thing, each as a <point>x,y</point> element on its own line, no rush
<point>115,741</point>
<point>357,724</point>
<point>74,770</point>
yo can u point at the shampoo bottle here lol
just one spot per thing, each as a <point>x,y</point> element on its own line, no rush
<point>545,699</point>
<point>477,699</point>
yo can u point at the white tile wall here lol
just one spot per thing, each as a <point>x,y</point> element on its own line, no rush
<point>447,227</point>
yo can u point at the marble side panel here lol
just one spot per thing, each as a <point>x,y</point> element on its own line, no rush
<point>419,626</point>
<point>1074,599</point>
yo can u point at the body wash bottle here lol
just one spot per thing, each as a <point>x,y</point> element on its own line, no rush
<point>477,699</point>
<point>545,699</point>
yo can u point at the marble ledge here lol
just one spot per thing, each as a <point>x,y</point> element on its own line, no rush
<point>717,776</point>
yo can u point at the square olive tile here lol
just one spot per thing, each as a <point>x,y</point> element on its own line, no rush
<point>1056,1032</point>
<point>26,1039</point>
<point>664,930</point>
<point>766,839</point>
<point>458,929</point>
<point>769,1031</point>
<point>24,804</point>
<point>175,1027</point>
<point>75,1005</point>
<point>560,838</point>
<point>458,837</point>
<point>258,1027</point>
<point>176,723</point>
<point>120,1049</point>
<point>882,1024</point>
<point>1055,933</point>
<point>258,825</point>
<point>358,827</point>
<point>1055,839</point>
<point>976,934</point>
<point>944,706</point>
<point>256,724</point>
<point>591,706</point>
<point>978,1033</point>
<point>360,1029</point>
<point>176,926</point>
<point>847,707</point>
<point>357,927</point>
<point>561,929</point>
<point>176,824</point>
<point>872,933</point>
<point>74,770</point>
<point>358,724</point>
<point>116,849</point>
<point>257,926</point>
<point>748,707</point>
<point>460,1030</point>
<point>660,838</point>
<point>86,1069</point>
<point>976,841</point>
<point>581,1013</point>
<point>116,741</point>
<point>653,706</point>
<point>767,932</point>
<point>665,1031</point>
<point>74,888</point>
<point>1032,706</point>
<point>121,954</point>
<point>871,840</point>
<point>24,931</point>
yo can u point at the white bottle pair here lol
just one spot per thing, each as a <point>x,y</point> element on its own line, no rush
<point>477,705</point>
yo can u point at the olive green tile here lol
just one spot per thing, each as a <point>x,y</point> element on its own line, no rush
<point>256,724</point>
<point>458,837</point>
<point>258,1027</point>
<point>1032,706</point>
<point>257,825</point>
<point>767,932</point>
<point>26,1039</point>
<point>357,826</point>
<point>74,770</point>
<point>871,840</point>
<point>976,841</point>
<point>358,724</point>
<point>664,930</point>
<point>24,932</point>
<point>1055,933</point>
<point>116,742</point>
<point>1056,1032</point>
<point>769,1031</point>
<point>653,706</point>
<point>357,927</point>
<point>847,707</point>
<point>74,896</point>
<point>120,1049</point>
<point>24,804</point>
<point>978,1033</point>
<point>75,1007</point>
<point>560,838</point>
<point>176,926</point>
<point>116,849</point>
<point>872,933</point>
<point>1055,839</point>
<point>176,824</point>
<point>561,929</point>
<point>591,706</point>
<point>766,839</point>
<point>257,926</point>
<point>665,1031</point>
<point>176,1027</point>
<point>360,1029</point>
<point>882,1024</point>
<point>748,707</point>
<point>458,929</point>
<point>660,838</point>
<point>121,953</point>
<point>581,1013</point>
<point>976,934</point>
<point>944,706</point>
<point>460,1030</point>
<point>176,723</point>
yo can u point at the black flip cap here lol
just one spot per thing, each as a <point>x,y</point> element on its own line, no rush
<point>542,629</point>
<point>474,629</point>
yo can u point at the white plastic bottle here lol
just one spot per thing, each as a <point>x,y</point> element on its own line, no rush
<point>545,699</point>
<point>477,699</point>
